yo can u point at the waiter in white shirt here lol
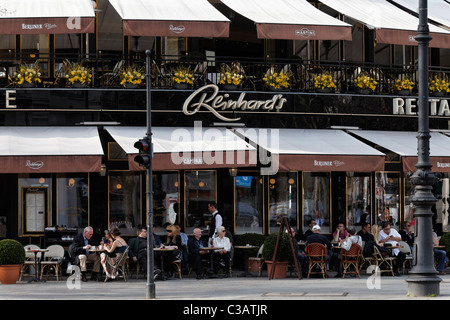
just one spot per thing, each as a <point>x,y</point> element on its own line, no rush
<point>216,220</point>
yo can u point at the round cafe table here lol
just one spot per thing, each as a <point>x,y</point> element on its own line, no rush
<point>37,265</point>
<point>163,250</point>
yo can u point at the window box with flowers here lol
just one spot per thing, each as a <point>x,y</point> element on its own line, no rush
<point>324,82</point>
<point>278,80</point>
<point>79,76</point>
<point>26,77</point>
<point>182,77</point>
<point>439,87</point>
<point>403,87</point>
<point>131,77</point>
<point>364,83</point>
<point>231,77</point>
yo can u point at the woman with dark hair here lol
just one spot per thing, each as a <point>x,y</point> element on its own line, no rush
<point>113,254</point>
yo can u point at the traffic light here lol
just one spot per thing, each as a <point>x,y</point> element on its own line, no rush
<point>145,152</point>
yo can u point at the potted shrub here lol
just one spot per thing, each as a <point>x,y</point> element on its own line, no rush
<point>12,256</point>
<point>403,87</point>
<point>278,80</point>
<point>284,254</point>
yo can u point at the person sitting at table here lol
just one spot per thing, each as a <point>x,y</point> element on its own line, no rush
<point>440,255</point>
<point>195,245</point>
<point>316,237</point>
<point>346,244</point>
<point>407,234</point>
<point>340,233</point>
<point>221,242</point>
<point>81,255</point>
<point>173,241</point>
<point>138,249</point>
<point>311,224</point>
<point>113,254</point>
<point>391,236</point>
<point>184,248</point>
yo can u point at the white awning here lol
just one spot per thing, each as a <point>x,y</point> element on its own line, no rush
<point>187,148</point>
<point>290,19</point>
<point>392,24</point>
<point>176,18</point>
<point>316,150</point>
<point>405,144</point>
<point>438,10</point>
<point>46,16</point>
<point>50,149</point>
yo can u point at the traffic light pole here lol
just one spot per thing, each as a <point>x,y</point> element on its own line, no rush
<point>150,294</point>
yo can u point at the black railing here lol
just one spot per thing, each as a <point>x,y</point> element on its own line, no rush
<point>106,71</point>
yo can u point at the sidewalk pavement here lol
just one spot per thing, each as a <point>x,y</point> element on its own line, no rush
<point>235,288</point>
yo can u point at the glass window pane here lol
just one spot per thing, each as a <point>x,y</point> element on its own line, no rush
<point>248,203</point>
<point>316,200</point>
<point>200,188</point>
<point>387,193</point>
<point>73,201</point>
<point>282,199</point>
<point>124,201</point>
<point>165,196</point>
<point>358,200</point>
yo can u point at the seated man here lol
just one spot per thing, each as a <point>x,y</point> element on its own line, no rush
<point>195,245</point>
<point>391,236</point>
<point>222,242</point>
<point>138,249</point>
<point>81,255</point>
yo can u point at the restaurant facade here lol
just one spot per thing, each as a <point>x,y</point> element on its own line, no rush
<point>334,154</point>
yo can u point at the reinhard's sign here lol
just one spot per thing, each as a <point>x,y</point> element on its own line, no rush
<point>212,101</point>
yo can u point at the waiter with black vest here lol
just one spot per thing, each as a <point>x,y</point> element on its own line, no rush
<point>216,220</point>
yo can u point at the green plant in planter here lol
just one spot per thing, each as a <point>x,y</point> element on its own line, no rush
<point>11,252</point>
<point>284,252</point>
<point>445,240</point>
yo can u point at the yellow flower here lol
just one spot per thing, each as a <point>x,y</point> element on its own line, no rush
<point>365,81</point>
<point>278,80</point>
<point>26,74</point>
<point>404,84</point>
<point>437,84</point>
<point>79,74</point>
<point>182,74</point>
<point>324,81</point>
<point>233,75</point>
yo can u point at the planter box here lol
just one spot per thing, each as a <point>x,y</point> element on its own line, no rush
<point>280,269</point>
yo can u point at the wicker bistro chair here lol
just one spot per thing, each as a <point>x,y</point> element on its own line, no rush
<point>121,265</point>
<point>316,256</point>
<point>257,260</point>
<point>29,259</point>
<point>352,257</point>
<point>385,264</point>
<point>53,259</point>
<point>405,248</point>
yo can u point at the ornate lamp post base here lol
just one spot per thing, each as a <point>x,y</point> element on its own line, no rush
<point>423,286</point>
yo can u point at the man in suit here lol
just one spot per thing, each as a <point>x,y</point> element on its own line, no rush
<point>138,249</point>
<point>81,255</point>
<point>195,245</point>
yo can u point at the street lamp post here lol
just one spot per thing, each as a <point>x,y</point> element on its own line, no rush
<point>423,280</point>
<point>150,294</point>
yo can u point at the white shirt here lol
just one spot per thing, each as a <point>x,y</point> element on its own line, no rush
<point>222,243</point>
<point>218,219</point>
<point>351,240</point>
<point>382,235</point>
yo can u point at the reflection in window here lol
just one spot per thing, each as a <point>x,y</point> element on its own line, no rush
<point>200,188</point>
<point>316,199</point>
<point>165,200</point>
<point>73,201</point>
<point>387,196</point>
<point>124,201</point>
<point>282,199</point>
<point>248,204</point>
<point>358,200</point>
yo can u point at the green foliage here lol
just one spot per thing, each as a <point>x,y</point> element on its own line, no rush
<point>254,239</point>
<point>284,252</point>
<point>11,252</point>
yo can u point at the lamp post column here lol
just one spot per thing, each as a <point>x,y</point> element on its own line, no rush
<point>423,280</point>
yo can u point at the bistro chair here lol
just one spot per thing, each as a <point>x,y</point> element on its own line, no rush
<point>352,257</point>
<point>29,259</point>
<point>114,76</point>
<point>316,256</point>
<point>177,265</point>
<point>406,249</point>
<point>121,265</point>
<point>53,259</point>
<point>385,264</point>
<point>258,260</point>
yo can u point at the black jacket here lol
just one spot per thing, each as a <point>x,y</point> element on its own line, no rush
<point>77,247</point>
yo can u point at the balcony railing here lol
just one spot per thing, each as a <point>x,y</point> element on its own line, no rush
<point>106,71</point>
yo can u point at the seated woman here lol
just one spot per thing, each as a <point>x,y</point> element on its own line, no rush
<point>113,254</point>
<point>173,241</point>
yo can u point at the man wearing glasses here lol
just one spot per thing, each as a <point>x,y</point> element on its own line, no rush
<point>81,255</point>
